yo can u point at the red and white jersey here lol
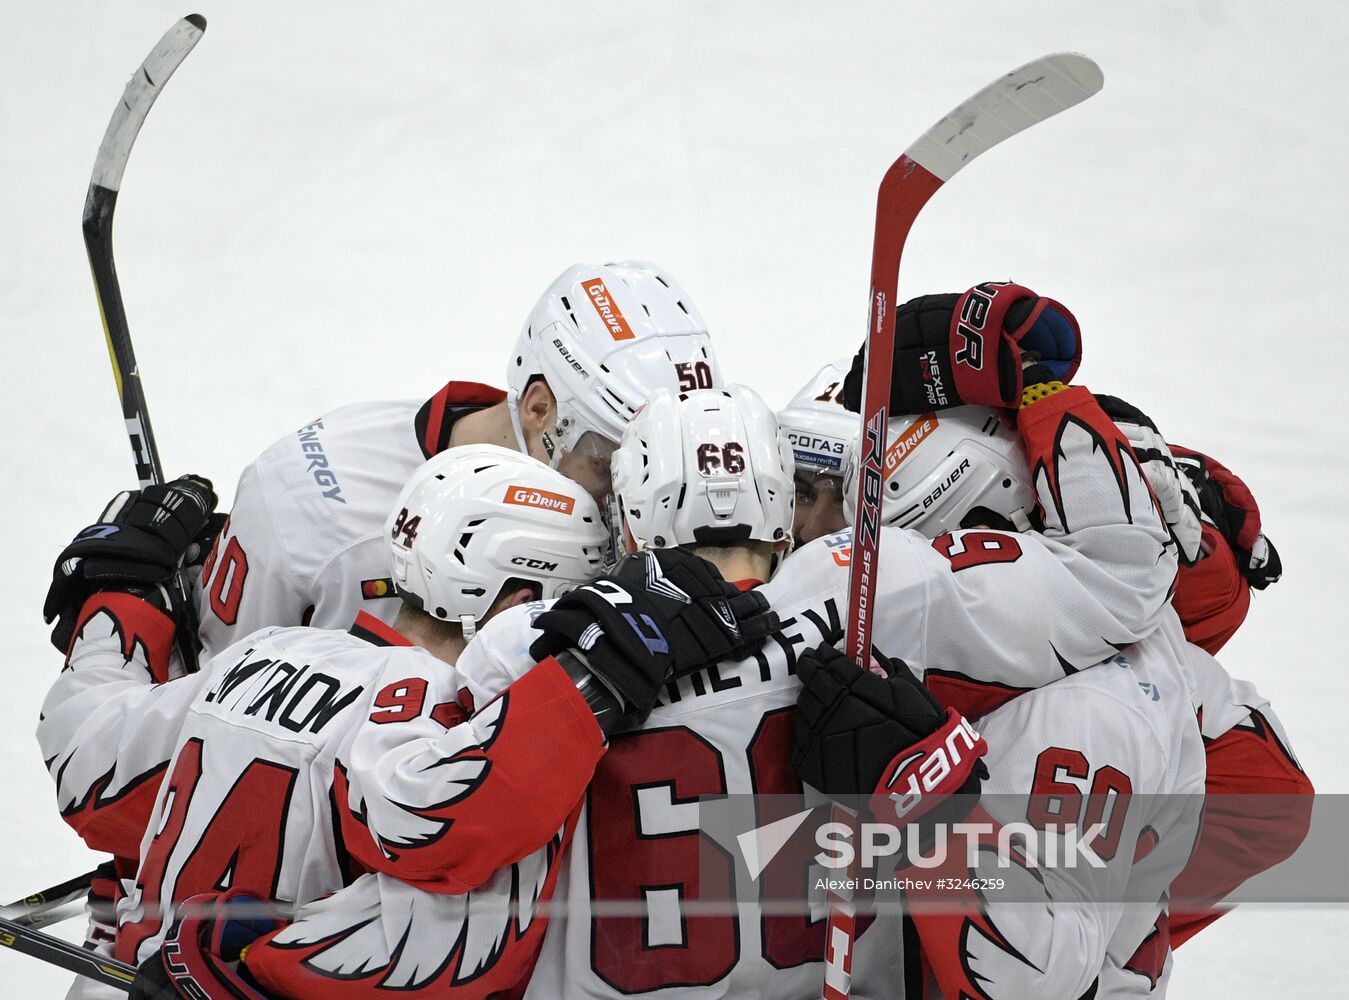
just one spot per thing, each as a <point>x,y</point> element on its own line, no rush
<point>283,767</point>
<point>475,838</point>
<point>304,544</point>
<point>1118,744</point>
<point>1126,725</point>
<point>973,608</point>
<point>723,731</point>
<point>986,614</point>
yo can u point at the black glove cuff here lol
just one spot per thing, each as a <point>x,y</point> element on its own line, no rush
<point>604,702</point>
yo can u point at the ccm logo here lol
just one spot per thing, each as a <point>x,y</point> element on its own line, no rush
<point>608,309</point>
<point>909,439</point>
<point>528,563</point>
<point>527,496</point>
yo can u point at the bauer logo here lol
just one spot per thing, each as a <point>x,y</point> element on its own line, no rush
<point>527,496</point>
<point>912,436</point>
<point>608,309</point>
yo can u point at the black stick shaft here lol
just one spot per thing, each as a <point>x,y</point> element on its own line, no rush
<point>71,957</point>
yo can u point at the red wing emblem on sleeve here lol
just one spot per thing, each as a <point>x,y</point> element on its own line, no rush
<point>108,813</point>
<point>966,950</point>
<point>410,821</point>
<point>145,633</point>
<point>1074,448</point>
<point>1112,459</point>
<point>379,934</point>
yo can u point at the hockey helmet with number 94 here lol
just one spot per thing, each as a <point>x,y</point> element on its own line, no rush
<point>708,467</point>
<point>474,517</point>
<point>949,470</point>
<point>604,338</point>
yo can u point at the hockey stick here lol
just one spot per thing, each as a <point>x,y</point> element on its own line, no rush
<point>1016,101</point>
<point>31,910</point>
<point>70,957</point>
<point>99,205</point>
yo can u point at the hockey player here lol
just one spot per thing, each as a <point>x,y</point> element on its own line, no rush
<point>303,542</point>
<point>1247,750</point>
<point>262,791</point>
<point>1114,744</point>
<point>728,729</point>
<point>823,436</point>
<point>1259,805</point>
<point>1113,570</point>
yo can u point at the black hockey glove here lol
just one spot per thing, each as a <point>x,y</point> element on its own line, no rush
<point>861,734</point>
<point>661,614</point>
<point>1174,491</point>
<point>1228,502</point>
<point>955,349</point>
<point>152,980</point>
<point>142,538</point>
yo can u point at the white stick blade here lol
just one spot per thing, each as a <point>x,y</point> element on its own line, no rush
<point>139,97</point>
<point>1016,101</point>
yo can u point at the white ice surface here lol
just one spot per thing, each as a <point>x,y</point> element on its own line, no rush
<point>333,203</point>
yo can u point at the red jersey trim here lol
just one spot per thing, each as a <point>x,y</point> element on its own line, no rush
<point>377,633</point>
<point>436,418</point>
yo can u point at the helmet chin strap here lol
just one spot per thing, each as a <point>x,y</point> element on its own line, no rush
<point>1018,517</point>
<point>775,560</point>
<point>512,404</point>
<point>470,626</point>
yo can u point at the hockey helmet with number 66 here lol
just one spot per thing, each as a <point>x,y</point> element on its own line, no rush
<point>709,467</point>
<point>474,517</point>
<point>949,470</point>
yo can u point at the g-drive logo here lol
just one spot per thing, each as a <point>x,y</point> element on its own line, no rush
<point>608,310</point>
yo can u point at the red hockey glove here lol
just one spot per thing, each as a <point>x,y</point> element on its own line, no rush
<point>954,349</point>
<point>1229,504</point>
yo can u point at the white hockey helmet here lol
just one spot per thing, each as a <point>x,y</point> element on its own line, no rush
<point>821,432</point>
<point>477,516</point>
<point>940,467</point>
<point>705,467</point>
<point>604,338</point>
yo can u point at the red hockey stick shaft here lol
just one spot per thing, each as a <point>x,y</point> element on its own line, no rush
<point>1024,97</point>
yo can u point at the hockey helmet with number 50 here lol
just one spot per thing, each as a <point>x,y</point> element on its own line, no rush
<point>604,338</point>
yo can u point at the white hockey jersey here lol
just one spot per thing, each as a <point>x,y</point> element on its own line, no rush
<point>728,730</point>
<point>983,614</point>
<point>262,785</point>
<point>304,540</point>
<point>973,605</point>
<point>1117,744</point>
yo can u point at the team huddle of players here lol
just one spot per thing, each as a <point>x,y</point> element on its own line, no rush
<point>469,665</point>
